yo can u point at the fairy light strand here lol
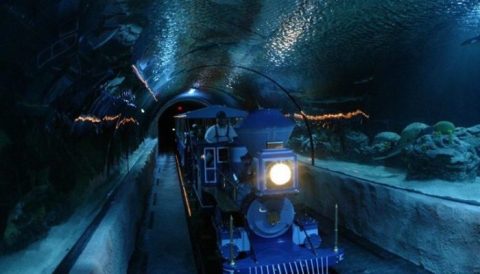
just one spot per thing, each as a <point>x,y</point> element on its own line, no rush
<point>96,120</point>
<point>126,121</point>
<point>331,116</point>
<point>107,118</point>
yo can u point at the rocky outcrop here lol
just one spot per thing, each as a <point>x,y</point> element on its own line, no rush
<point>383,143</point>
<point>444,127</point>
<point>354,143</point>
<point>441,156</point>
<point>386,137</point>
<point>411,132</point>
<point>441,151</point>
<point>470,135</point>
<point>33,215</point>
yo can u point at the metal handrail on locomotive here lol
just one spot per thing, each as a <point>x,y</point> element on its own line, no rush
<point>252,180</point>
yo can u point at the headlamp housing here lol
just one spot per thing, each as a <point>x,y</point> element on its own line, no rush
<point>277,172</point>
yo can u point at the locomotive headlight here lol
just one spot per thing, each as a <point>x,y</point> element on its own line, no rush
<point>280,174</point>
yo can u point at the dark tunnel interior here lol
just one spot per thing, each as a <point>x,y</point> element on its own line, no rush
<point>166,123</point>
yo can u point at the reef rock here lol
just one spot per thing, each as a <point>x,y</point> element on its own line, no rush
<point>386,137</point>
<point>383,143</point>
<point>470,135</point>
<point>295,143</point>
<point>327,145</point>
<point>434,156</point>
<point>327,149</point>
<point>411,132</point>
<point>32,216</point>
<point>444,128</point>
<point>355,143</point>
<point>475,130</point>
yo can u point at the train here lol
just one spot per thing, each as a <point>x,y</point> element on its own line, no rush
<point>248,187</point>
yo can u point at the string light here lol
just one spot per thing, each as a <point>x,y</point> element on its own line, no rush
<point>126,121</point>
<point>331,116</point>
<point>96,120</point>
<point>144,82</point>
<point>111,118</point>
<point>108,118</point>
<point>90,119</point>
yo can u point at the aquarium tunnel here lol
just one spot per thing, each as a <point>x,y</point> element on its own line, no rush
<point>384,96</point>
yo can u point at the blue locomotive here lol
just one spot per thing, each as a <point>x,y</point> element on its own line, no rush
<point>252,181</point>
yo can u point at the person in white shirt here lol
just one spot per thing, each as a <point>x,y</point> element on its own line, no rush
<point>221,132</point>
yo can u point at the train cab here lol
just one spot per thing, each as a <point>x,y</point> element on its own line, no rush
<point>207,164</point>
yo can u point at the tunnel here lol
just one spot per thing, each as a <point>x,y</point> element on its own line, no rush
<point>166,122</point>
<point>369,107</point>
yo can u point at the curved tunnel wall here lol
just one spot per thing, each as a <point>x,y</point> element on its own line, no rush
<point>403,61</point>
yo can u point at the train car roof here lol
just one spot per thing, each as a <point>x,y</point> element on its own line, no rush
<point>210,112</point>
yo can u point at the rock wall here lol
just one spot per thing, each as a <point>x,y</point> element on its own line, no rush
<point>112,244</point>
<point>438,234</point>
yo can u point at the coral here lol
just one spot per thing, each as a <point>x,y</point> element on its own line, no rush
<point>354,143</point>
<point>386,137</point>
<point>470,135</point>
<point>33,215</point>
<point>411,132</point>
<point>25,224</point>
<point>434,156</point>
<point>444,128</point>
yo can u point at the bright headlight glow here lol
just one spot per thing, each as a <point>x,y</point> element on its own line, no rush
<point>280,174</point>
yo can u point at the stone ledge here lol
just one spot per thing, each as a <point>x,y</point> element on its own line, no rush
<point>439,234</point>
<point>111,245</point>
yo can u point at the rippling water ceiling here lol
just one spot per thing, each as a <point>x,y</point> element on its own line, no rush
<point>315,49</point>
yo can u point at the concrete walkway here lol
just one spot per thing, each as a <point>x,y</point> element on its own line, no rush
<point>166,241</point>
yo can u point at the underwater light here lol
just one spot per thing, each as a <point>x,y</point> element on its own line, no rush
<point>142,110</point>
<point>280,174</point>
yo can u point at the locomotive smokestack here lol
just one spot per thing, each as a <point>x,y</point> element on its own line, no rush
<point>263,126</point>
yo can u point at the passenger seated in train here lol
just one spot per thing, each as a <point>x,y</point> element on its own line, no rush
<point>222,131</point>
<point>245,178</point>
<point>247,172</point>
